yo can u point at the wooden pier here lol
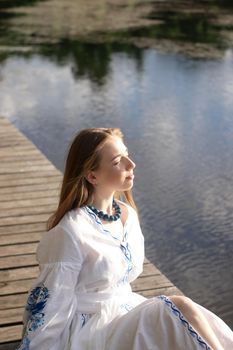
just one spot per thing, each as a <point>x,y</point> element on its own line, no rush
<point>29,189</point>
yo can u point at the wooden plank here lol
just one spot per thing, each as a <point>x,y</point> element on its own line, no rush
<point>32,178</point>
<point>10,333</point>
<point>24,168</point>
<point>9,138</point>
<point>4,121</point>
<point>15,287</point>
<point>17,261</point>
<point>12,301</point>
<point>14,195</point>
<point>23,228</point>
<point>9,345</point>
<point>29,210</point>
<point>24,203</point>
<point>19,163</point>
<point>13,143</point>
<point>32,174</point>
<point>11,316</point>
<point>17,220</point>
<point>17,249</point>
<point>26,146</point>
<point>10,159</point>
<point>151,282</point>
<point>7,153</point>
<point>150,269</point>
<point>19,274</point>
<point>21,157</point>
<point>29,188</point>
<point>20,238</point>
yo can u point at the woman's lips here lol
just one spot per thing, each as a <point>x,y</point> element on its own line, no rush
<point>130,177</point>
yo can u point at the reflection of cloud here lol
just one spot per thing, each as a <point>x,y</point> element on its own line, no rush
<point>182,125</point>
<point>214,193</point>
<point>36,86</point>
<point>164,123</point>
<point>228,79</point>
<point>8,106</point>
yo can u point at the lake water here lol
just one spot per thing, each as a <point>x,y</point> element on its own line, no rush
<point>176,113</point>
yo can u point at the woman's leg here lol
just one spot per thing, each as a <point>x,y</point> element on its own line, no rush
<point>197,320</point>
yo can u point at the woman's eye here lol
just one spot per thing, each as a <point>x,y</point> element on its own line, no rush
<point>127,155</point>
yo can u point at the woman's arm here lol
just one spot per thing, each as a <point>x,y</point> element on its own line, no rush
<point>51,300</point>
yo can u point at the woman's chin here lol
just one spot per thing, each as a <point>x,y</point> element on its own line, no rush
<point>129,182</point>
<point>126,186</point>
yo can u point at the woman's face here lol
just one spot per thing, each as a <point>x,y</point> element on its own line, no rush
<point>116,168</point>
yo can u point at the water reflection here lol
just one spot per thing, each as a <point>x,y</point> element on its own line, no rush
<point>38,22</point>
<point>192,27</point>
<point>7,4</point>
<point>89,60</point>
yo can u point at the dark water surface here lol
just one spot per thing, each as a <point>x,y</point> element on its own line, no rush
<point>177,116</point>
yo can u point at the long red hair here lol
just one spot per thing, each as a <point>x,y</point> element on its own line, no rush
<point>84,155</point>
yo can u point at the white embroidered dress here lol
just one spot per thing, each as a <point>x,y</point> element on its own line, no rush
<point>82,298</point>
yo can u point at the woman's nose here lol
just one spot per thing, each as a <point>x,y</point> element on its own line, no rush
<point>131,164</point>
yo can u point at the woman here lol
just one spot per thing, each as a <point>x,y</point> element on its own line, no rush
<point>94,248</point>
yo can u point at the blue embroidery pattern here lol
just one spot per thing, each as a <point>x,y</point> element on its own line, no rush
<point>125,249</point>
<point>126,306</point>
<point>35,304</point>
<point>193,333</point>
<point>85,318</point>
<point>24,344</point>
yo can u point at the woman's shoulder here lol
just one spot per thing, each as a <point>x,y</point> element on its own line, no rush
<point>56,246</point>
<point>61,241</point>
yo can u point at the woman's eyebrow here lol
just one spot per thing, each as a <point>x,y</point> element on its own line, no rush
<point>126,150</point>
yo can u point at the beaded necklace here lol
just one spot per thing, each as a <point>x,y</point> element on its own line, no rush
<point>105,216</point>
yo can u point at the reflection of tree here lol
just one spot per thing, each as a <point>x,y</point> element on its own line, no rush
<point>7,4</point>
<point>177,25</point>
<point>89,60</point>
<point>224,3</point>
<point>191,27</point>
<point>8,36</point>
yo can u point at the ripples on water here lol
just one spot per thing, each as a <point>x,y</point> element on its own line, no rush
<point>176,115</point>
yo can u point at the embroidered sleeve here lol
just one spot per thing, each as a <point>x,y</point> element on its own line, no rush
<point>51,301</point>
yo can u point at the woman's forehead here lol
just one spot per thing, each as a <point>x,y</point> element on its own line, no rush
<point>113,147</point>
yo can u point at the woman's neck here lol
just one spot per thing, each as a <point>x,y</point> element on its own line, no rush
<point>103,204</point>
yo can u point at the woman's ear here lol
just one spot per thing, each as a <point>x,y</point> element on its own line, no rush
<point>90,177</point>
